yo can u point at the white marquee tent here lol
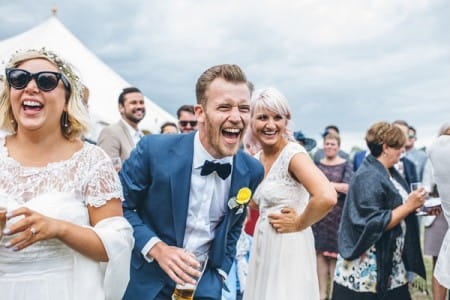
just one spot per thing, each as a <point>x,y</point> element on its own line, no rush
<point>104,84</point>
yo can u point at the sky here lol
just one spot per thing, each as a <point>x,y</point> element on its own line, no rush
<point>350,63</point>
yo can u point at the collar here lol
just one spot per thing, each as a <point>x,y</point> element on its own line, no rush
<point>200,154</point>
<point>133,132</point>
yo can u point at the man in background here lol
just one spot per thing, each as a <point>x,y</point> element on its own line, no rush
<point>120,138</point>
<point>418,157</point>
<point>405,166</point>
<point>187,122</point>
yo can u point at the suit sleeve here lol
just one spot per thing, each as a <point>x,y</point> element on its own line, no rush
<point>136,178</point>
<point>109,141</point>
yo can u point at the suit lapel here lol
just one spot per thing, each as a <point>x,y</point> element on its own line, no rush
<point>181,158</point>
<point>126,134</point>
<point>239,179</point>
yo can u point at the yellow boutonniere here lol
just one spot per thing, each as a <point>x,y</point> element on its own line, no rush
<point>243,197</point>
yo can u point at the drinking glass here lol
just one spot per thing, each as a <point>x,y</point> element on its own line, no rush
<point>3,203</point>
<point>416,186</point>
<point>2,221</point>
<point>187,291</point>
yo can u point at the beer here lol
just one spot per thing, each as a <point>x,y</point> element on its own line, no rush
<point>184,293</point>
<point>2,221</point>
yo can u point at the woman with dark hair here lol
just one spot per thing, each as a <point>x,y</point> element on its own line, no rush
<point>378,236</point>
<point>169,128</point>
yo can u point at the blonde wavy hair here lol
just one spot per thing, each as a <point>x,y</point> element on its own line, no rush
<point>77,113</point>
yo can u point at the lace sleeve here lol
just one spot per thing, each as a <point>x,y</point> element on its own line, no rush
<point>102,182</point>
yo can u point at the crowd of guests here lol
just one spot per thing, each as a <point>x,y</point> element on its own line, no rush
<point>231,182</point>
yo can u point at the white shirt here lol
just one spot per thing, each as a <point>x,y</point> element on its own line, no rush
<point>135,134</point>
<point>208,200</point>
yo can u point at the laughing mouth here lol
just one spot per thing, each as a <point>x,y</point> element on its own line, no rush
<point>269,132</point>
<point>32,105</point>
<point>231,132</point>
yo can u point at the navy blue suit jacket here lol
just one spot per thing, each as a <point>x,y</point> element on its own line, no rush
<point>156,183</point>
<point>409,170</point>
<point>358,159</point>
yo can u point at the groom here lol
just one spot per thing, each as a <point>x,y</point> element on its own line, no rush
<point>180,192</point>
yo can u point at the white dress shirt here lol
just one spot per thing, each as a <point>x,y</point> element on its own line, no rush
<point>135,134</point>
<point>208,200</point>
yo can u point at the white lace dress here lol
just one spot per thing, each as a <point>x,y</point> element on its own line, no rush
<point>50,270</point>
<point>282,265</point>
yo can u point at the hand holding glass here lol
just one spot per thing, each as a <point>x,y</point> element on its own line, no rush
<point>415,186</point>
<point>187,291</point>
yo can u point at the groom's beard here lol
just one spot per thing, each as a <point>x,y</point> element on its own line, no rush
<point>217,140</point>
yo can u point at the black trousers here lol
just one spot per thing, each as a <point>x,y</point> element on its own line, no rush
<point>342,293</point>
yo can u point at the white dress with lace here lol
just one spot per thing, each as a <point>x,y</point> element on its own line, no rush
<point>50,270</point>
<point>282,265</point>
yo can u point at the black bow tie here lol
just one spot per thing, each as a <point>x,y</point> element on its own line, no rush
<point>223,170</point>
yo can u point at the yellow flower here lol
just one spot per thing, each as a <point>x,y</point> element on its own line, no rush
<point>243,196</point>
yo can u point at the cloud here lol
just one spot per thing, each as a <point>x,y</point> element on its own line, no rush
<point>350,62</point>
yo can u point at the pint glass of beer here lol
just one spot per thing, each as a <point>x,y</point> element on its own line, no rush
<point>187,291</point>
<point>2,214</point>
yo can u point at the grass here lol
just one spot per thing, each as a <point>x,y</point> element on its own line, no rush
<point>418,292</point>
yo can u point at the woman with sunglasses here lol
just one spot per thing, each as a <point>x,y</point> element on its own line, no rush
<point>65,237</point>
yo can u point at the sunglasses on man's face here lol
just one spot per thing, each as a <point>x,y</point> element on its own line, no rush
<point>46,81</point>
<point>185,123</point>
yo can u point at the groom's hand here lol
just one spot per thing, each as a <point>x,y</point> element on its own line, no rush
<point>179,264</point>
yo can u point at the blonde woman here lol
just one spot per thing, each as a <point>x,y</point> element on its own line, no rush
<point>65,237</point>
<point>293,195</point>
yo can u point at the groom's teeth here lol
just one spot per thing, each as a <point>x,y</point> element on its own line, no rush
<point>232,130</point>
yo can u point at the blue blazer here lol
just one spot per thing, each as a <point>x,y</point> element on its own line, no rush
<point>358,159</point>
<point>156,183</point>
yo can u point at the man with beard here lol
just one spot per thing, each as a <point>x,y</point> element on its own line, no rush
<point>187,194</point>
<point>120,138</point>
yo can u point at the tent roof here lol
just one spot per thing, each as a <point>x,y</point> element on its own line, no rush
<point>104,84</point>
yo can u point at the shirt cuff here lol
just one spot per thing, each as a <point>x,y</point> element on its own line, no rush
<point>223,274</point>
<point>148,247</point>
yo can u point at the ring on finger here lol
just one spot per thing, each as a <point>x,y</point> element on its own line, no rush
<point>33,231</point>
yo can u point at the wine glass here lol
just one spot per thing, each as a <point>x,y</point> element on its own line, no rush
<point>416,186</point>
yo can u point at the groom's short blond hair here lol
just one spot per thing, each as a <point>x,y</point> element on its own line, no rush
<point>231,73</point>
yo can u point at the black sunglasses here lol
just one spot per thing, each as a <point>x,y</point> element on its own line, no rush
<point>192,123</point>
<point>46,80</point>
